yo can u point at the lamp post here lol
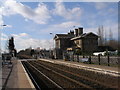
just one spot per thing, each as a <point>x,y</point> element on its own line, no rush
<point>53,39</point>
<point>0,40</point>
<point>53,45</point>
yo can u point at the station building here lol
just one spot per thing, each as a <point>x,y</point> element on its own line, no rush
<point>75,40</point>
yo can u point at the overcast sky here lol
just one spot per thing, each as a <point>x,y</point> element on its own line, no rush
<point>32,22</point>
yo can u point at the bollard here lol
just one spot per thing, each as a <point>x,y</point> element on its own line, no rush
<point>89,59</point>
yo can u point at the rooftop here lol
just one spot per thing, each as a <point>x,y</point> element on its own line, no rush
<point>84,35</point>
<point>63,36</point>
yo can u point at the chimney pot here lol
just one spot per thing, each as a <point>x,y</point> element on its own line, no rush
<point>71,32</point>
<point>80,31</point>
<point>76,32</point>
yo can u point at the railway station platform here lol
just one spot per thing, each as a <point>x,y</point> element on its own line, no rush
<point>15,77</point>
<point>92,67</point>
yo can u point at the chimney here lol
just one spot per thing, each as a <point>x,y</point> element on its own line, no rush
<point>71,32</point>
<point>76,32</point>
<point>68,33</point>
<point>80,31</point>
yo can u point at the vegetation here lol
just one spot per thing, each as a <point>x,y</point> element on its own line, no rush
<point>11,47</point>
<point>104,41</point>
<point>25,54</point>
<point>77,52</point>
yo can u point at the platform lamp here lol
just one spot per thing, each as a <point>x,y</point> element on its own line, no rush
<point>53,39</point>
<point>53,42</point>
<point>0,40</point>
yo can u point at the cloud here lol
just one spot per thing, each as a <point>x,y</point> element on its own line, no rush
<point>39,15</point>
<point>20,35</point>
<point>1,20</point>
<point>67,24</point>
<point>23,34</point>
<point>26,20</point>
<point>100,5</point>
<point>24,40</point>
<point>10,26</point>
<point>69,14</point>
<point>63,27</point>
<point>4,37</point>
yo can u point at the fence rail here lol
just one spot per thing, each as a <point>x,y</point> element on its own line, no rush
<point>107,60</point>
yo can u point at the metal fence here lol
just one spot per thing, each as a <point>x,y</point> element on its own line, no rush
<point>106,60</point>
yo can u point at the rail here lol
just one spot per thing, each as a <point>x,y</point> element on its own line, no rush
<point>74,74</point>
<point>58,86</point>
<point>33,80</point>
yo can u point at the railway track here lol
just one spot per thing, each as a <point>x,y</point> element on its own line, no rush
<point>31,77</point>
<point>60,80</point>
<point>40,80</point>
<point>85,80</point>
<point>103,71</point>
<point>70,82</point>
<point>101,78</point>
<point>56,76</point>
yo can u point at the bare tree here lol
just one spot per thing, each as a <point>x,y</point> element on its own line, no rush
<point>6,46</point>
<point>110,35</point>
<point>101,35</point>
<point>105,38</point>
<point>112,42</point>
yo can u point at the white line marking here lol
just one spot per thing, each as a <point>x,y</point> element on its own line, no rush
<point>29,80</point>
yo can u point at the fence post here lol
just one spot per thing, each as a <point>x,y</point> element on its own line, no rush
<point>108,60</point>
<point>77,58</point>
<point>108,57</point>
<point>99,58</point>
<point>83,56</point>
<point>89,59</point>
<point>73,57</point>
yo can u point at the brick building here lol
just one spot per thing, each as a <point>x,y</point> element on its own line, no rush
<point>85,42</point>
<point>62,42</point>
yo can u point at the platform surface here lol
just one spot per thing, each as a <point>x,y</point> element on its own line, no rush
<point>18,78</point>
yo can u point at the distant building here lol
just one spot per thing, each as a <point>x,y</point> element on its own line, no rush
<point>85,42</point>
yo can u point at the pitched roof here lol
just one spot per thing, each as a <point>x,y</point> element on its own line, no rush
<point>84,35</point>
<point>62,36</point>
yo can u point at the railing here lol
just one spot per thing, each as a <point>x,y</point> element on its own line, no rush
<point>101,60</point>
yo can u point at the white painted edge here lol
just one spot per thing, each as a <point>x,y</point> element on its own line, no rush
<point>29,80</point>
